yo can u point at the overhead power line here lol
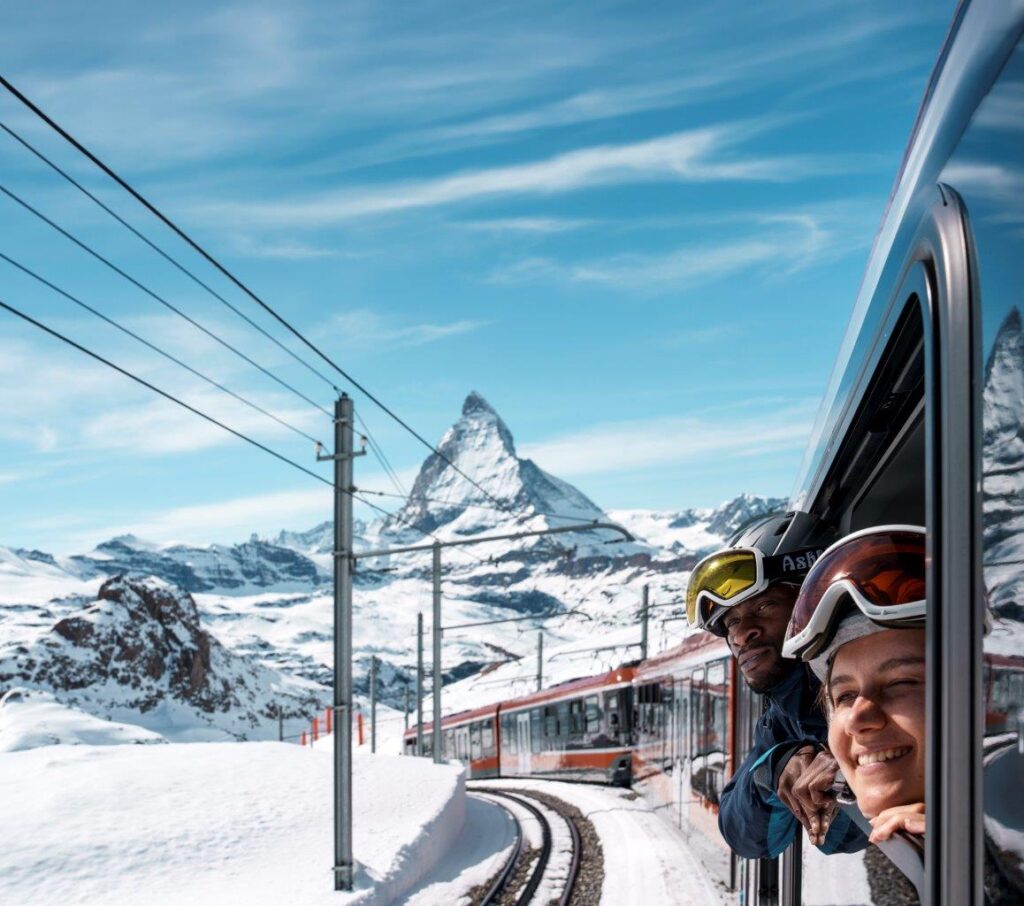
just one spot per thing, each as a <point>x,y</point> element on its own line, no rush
<point>242,286</point>
<point>117,270</point>
<point>113,323</point>
<point>164,254</point>
<point>476,506</point>
<point>128,374</point>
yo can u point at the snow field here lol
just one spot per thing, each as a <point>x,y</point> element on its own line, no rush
<point>216,822</point>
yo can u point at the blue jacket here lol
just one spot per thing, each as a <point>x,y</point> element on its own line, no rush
<point>752,819</point>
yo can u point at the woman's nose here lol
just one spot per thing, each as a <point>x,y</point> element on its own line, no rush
<point>865,715</point>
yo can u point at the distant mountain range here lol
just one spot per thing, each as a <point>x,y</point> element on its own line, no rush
<point>267,601</point>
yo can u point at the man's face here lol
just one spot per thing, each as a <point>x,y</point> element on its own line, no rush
<point>755,631</point>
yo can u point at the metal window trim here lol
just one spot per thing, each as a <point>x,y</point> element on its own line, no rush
<point>953,844</point>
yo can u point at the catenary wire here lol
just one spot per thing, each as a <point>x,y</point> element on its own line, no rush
<point>168,396</point>
<point>86,248</point>
<point>113,323</point>
<point>163,393</point>
<point>476,506</point>
<point>164,254</point>
<point>242,286</point>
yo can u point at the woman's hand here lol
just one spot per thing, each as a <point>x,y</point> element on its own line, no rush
<point>908,818</point>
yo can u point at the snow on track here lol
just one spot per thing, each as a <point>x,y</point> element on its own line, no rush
<point>646,860</point>
<point>478,854</point>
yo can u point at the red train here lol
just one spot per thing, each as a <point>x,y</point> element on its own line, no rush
<point>578,730</point>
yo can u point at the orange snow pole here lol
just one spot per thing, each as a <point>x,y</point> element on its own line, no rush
<point>359,723</point>
<point>316,729</point>
<point>303,743</point>
<point>327,716</point>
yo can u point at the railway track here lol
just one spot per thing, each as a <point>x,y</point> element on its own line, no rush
<point>531,875</point>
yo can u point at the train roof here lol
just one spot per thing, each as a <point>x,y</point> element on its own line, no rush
<point>462,717</point>
<point>982,35</point>
<point>623,674</point>
<point>694,649</point>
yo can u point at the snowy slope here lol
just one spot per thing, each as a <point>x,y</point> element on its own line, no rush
<point>30,719</point>
<point>215,823</point>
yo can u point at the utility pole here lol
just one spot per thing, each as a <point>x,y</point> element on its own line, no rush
<point>344,563</point>
<point>419,683</point>
<point>406,709</point>
<point>540,659</point>
<point>644,614</point>
<point>280,724</point>
<point>438,680</point>
<point>373,705</point>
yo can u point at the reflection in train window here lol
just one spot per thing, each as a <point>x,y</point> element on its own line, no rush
<point>593,715</point>
<point>992,144</point>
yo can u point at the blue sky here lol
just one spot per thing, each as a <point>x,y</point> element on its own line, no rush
<point>637,229</point>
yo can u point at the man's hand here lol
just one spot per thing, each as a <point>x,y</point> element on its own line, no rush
<point>805,788</point>
<point>908,818</point>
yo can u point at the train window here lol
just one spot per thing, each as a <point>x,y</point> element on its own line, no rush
<point>536,729</point>
<point>487,739</point>
<point>593,715</point>
<point>611,708</point>
<point>577,718</point>
<point>550,721</point>
<point>509,736</point>
<point>992,145</point>
<point>475,749</point>
<point>562,711</point>
<point>448,744</point>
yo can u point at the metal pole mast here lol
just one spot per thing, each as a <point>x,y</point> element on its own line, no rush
<point>406,709</point>
<point>373,705</point>
<point>644,614</point>
<point>438,681</point>
<point>540,659</point>
<point>344,563</point>
<point>419,684</point>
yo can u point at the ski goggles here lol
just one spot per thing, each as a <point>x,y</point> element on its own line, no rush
<point>730,577</point>
<point>880,570</point>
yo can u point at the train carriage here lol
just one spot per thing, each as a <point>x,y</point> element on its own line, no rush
<point>469,736</point>
<point>578,730</point>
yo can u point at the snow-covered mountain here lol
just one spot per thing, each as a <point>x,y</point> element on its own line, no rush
<point>268,601</point>
<point>1003,469</point>
<point>139,652</point>
<point>479,446</point>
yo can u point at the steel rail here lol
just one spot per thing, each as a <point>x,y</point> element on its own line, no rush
<point>537,875</point>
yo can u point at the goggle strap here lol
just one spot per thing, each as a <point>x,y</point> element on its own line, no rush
<point>792,566</point>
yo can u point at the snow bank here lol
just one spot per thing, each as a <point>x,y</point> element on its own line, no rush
<point>215,822</point>
<point>30,718</point>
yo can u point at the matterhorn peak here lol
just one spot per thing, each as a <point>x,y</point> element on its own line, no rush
<point>475,403</point>
<point>476,474</point>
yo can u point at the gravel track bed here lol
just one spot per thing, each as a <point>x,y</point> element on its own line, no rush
<point>590,878</point>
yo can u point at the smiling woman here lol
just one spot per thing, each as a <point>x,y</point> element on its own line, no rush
<point>876,711</point>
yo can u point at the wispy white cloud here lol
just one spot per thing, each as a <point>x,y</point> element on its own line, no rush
<point>782,243</point>
<point>696,155</point>
<point>159,427</point>
<point>284,249</point>
<point>224,519</point>
<point>529,224</point>
<point>363,327</point>
<point>621,447</point>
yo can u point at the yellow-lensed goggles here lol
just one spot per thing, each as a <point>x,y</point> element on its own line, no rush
<point>725,578</point>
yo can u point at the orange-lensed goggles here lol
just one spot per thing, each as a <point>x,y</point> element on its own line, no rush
<point>880,570</point>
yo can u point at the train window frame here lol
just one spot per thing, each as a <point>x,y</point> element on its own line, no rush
<point>935,277</point>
